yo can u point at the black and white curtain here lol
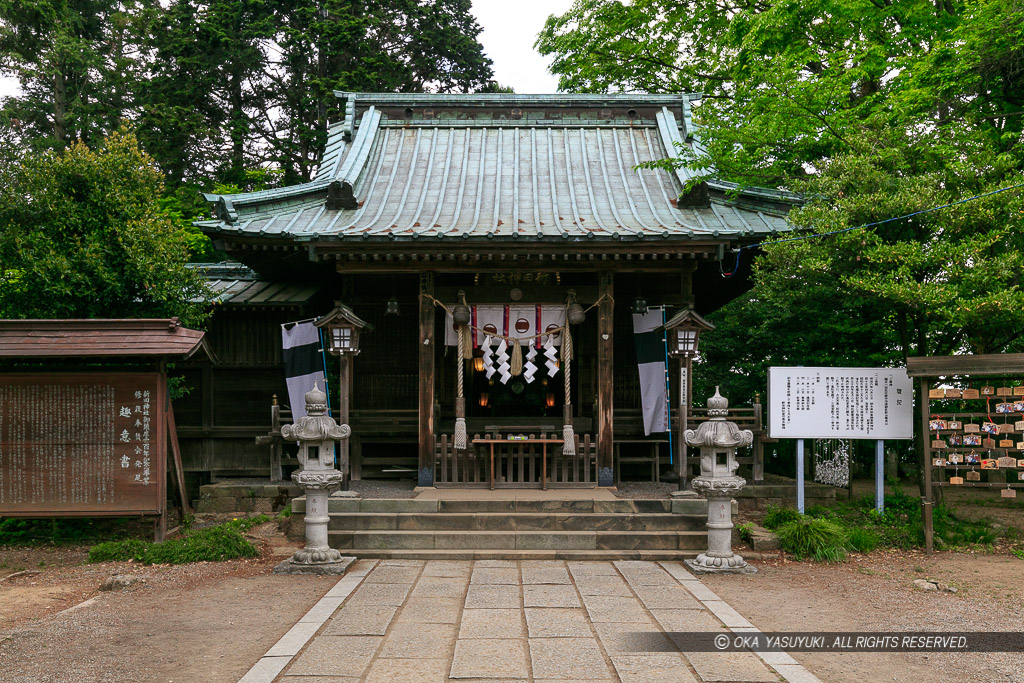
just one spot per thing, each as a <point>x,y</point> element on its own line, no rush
<point>303,363</point>
<point>651,361</point>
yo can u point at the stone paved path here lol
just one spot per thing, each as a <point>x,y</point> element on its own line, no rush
<point>440,620</point>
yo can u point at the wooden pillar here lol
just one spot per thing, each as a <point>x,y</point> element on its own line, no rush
<point>605,375</point>
<point>345,378</point>
<point>426,394</point>
<point>926,463</point>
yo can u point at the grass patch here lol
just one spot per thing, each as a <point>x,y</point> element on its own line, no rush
<point>776,517</point>
<point>814,538</point>
<point>213,544</point>
<point>16,532</point>
<point>745,531</point>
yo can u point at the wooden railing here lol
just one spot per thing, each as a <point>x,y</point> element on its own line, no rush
<point>516,464</point>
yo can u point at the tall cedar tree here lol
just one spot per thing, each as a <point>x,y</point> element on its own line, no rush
<point>83,235</point>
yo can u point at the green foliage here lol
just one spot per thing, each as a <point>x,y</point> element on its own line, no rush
<point>82,235</point>
<point>1019,554</point>
<point>212,544</point>
<point>862,540</point>
<point>745,531</point>
<point>285,512</point>
<point>814,538</point>
<point>15,532</point>
<point>775,517</point>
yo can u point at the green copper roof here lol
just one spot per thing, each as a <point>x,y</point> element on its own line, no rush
<point>501,167</point>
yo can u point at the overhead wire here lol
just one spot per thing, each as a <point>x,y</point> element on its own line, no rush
<point>739,250</point>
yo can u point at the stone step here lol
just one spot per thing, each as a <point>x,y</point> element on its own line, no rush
<point>457,554</point>
<point>685,506</point>
<point>501,521</point>
<point>356,541</point>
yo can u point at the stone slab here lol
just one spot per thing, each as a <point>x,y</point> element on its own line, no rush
<point>392,594</point>
<point>490,658</point>
<point>294,640</point>
<point>699,590</point>
<point>491,623</point>
<point>448,568</point>
<point>422,670</point>
<point>439,587</point>
<point>327,655</point>
<point>602,608</point>
<point>603,585</point>
<point>394,505</point>
<point>663,667</point>
<point>592,569</point>
<point>322,611</point>
<point>495,575</point>
<point>727,614</point>
<point>361,620</point>
<point>475,540</point>
<point>796,674</point>
<point>630,639</point>
<point>431,610</point>
<point>545,574</point>
<point>554,540</point>
<point>391,574</point>
<point>418,641</point>
<point>557,623</point>
<point>666,597</point>
<point>688,620</point>
<point>492,597</point>
<point>730,666</point>
<point>550,596</point>
<point>568,658</point>
<point>265,670</point>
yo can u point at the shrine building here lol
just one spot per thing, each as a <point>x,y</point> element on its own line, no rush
<point>518,207</point>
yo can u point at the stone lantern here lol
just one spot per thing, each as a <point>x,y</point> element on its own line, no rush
<point>316,434</point>
<point>718,440</point>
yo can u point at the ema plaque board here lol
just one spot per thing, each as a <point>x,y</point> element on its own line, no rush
<point>840,403</point>
<point>89,444</point>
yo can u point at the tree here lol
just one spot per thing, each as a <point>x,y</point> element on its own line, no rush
<point>83,235</point>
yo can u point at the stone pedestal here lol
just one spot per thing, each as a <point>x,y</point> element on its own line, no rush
<point>718,439</point>
<point>719,558</point>
<point>316,434</point>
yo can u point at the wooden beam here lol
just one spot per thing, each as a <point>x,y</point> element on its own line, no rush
<point>605,375</point>
<point>426,393</point>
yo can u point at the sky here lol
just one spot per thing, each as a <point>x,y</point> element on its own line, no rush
<point>510,28</point>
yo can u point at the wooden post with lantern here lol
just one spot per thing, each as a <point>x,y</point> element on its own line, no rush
<point>683,332</point>
<point>343,327</point>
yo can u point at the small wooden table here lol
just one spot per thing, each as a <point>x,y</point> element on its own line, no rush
<point>543,455</point>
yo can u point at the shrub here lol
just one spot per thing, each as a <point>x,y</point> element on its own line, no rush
<point>214,544</point>
<point>819,539</point>
<point>776,517</point>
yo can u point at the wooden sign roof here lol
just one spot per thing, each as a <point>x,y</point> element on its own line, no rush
<point>139,338</point>
<point>503,168</point>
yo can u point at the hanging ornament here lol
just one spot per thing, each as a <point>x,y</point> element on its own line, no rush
<point>488,357</point>
<point>530,368</point>
<point>503,362</point>
<point>517,359</point>
<point>551,356</point>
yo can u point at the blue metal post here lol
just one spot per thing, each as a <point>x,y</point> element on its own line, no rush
<point>880,476</point>
<point>800,476</point>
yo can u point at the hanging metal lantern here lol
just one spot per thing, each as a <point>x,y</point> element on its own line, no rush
<point>392,307</point>
<point>640,305</point>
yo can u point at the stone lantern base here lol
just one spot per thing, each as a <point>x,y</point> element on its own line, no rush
<point>336,568</point>
<point>705,564</point>
<point>317,557</point>
<point>719,558</point>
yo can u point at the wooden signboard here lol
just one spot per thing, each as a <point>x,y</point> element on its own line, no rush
<point>89,444</point>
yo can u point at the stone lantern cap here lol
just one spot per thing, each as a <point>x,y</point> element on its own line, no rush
<point>718,432</point>
<point>317,425</point>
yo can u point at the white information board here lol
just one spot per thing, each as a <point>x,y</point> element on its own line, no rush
<point>840,403</point>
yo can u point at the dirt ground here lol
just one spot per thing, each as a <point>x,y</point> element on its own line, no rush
<point>875,593</point>
<point>199,622</point>
<point>212,621</point>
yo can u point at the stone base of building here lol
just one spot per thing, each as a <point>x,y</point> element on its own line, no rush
<point>327,569</point>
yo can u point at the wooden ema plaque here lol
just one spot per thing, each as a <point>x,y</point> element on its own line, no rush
<point>90,444</point>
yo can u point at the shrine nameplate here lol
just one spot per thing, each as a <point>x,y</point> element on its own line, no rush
<point>87,444</point>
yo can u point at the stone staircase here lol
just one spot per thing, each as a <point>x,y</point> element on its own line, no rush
<point>634,529</point>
